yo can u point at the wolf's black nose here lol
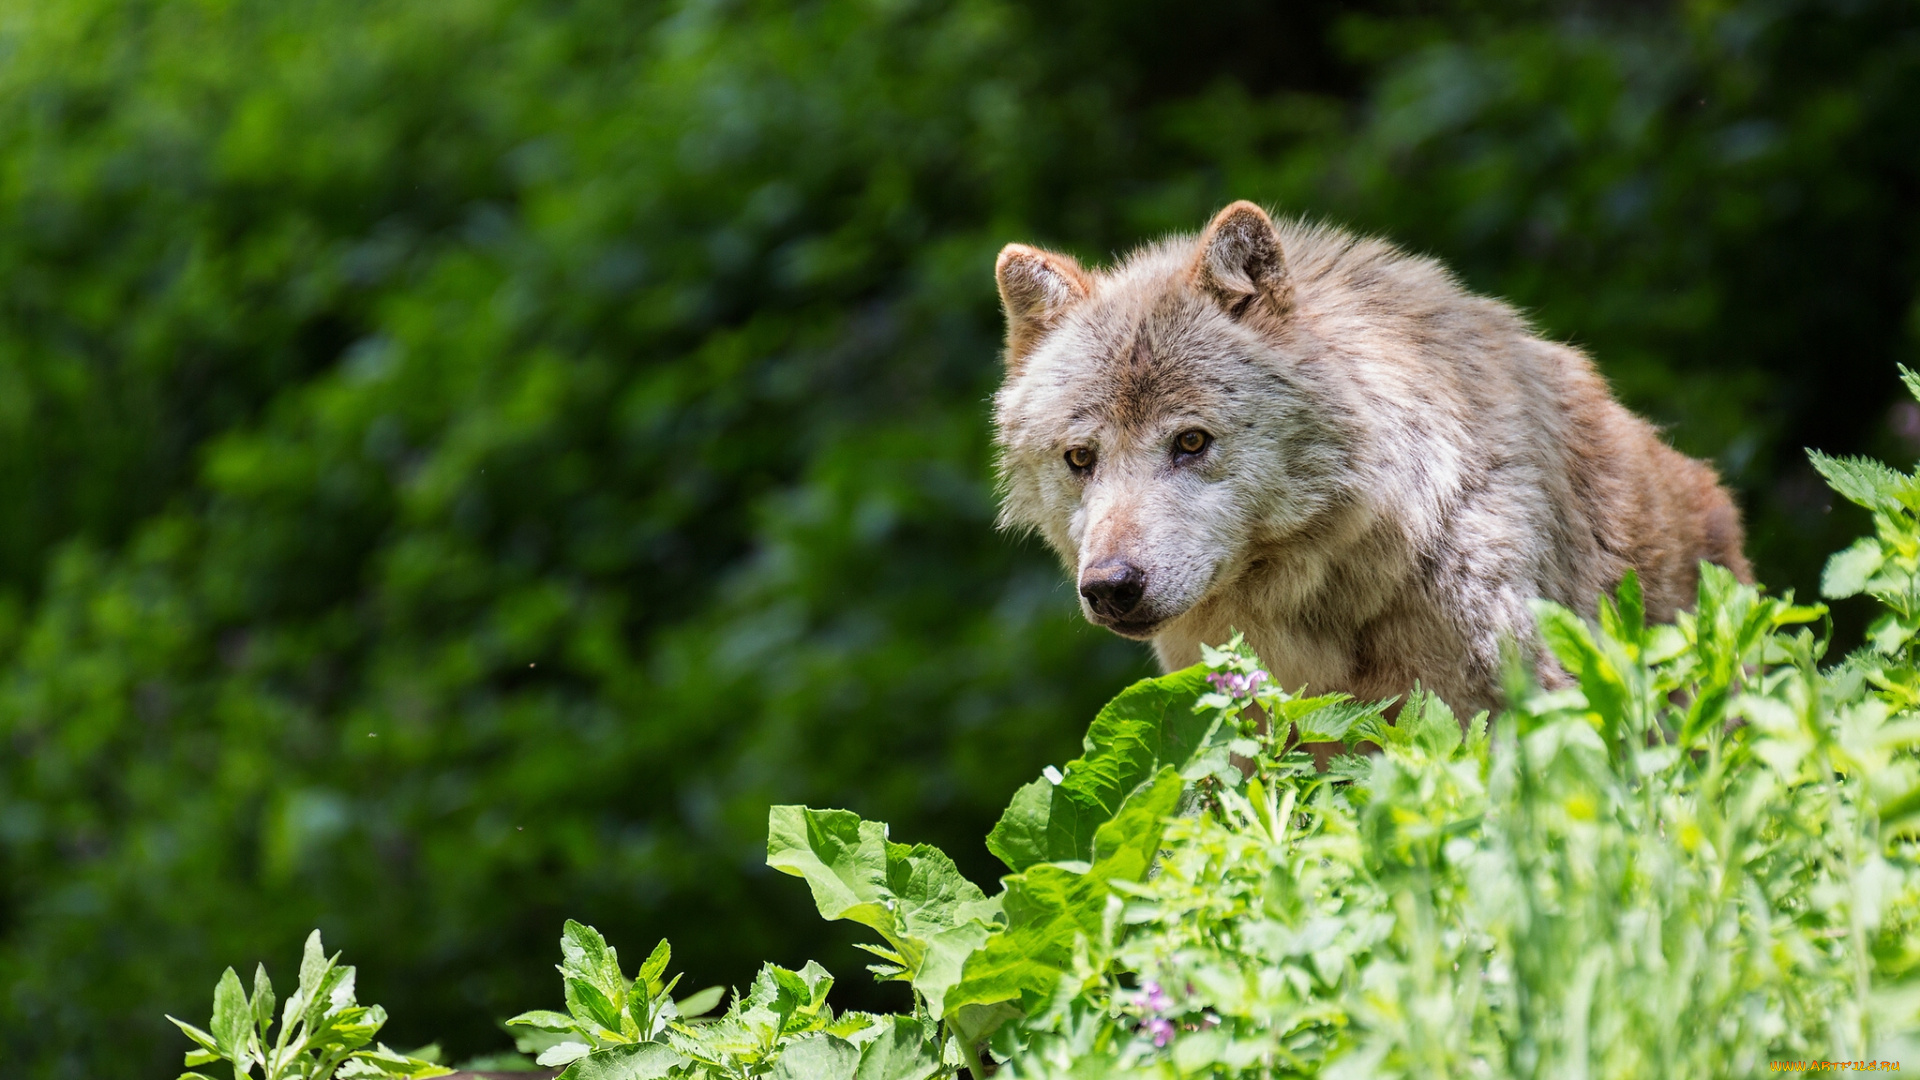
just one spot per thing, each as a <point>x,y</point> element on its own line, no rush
<point>1113,587</point>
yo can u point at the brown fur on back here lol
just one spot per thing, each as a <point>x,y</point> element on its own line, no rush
<point>1393,466</point>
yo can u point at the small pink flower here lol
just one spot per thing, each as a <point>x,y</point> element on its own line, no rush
<point>1162,1030</point>
<point>1234,684</point>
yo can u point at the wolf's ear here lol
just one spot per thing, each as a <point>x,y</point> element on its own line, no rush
<point>1240,263</point>
<point>1036,287</point>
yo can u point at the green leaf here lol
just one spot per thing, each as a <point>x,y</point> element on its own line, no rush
<point>1849,570</point>
<point>1053,908</point>
<point>700,1002</point>
<point>1149,726</point>
<point>945,960</point>
<point>816,1057</point>
<point>383,1061</point>
<point>913,895</point>
<point>1328,717</point>
<point>546,1020</point>
<point>1890,633</point>
<point>586,956</point>
<point>588,1003</point>
<point>1866,482</point>
<point>565,1053</point>
<point>1568,638</point>
<point>1428,723</point>
<point>314,966</point>
<point>232,1020</point>
<point>655,965</point>
<point>203,1038</point>
<point>1630,608</point>
<point>903,1051</point>
<point>784,1002</point>
<point>262,1003</point>
<point>642,1061</point>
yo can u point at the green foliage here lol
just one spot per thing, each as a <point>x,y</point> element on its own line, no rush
<point>783,1027</point>
<point>1701,856</point>
<point>604,1007</point>
<point>464,459</point>
<point>323,1031</point>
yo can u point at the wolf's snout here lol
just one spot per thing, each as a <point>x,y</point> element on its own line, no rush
<point>1113,588</point>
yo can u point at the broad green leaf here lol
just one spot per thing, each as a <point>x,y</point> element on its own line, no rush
<point>644,1061</point>
<point>816,1057</point>
<point>232,1020</point>
<point>842,858</point>
<point>1052,907</point>
<point>902,1051</point>
<point>945,959</point>
<point>1151,725</point>
<point>913,895</point>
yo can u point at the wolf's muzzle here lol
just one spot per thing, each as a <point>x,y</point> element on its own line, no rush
<point>1113,588</point>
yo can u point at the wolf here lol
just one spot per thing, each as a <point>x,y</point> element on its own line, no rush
<point>1332,446</point>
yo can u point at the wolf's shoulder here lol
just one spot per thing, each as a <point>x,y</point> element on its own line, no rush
<point>1336,270</point>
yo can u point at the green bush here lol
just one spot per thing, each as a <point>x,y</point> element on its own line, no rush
<point>465,459</point>
<point>1703,858</point>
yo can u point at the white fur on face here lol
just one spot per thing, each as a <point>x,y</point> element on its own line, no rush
<point>1127,389</point>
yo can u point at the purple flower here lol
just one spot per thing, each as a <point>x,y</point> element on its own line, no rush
<point>1234,684</point>
<point>1153,998</point>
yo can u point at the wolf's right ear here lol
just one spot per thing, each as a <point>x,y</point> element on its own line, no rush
<point>1241,264</point>
<point>1036,288</point>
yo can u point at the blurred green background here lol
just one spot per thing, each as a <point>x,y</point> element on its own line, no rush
<point>463,459</point>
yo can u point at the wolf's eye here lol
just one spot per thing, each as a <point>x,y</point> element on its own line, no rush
<point>1192,442</point>
<point>1079,459</point>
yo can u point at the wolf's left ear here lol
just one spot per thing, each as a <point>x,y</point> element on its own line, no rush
<point>1241,265</point>
<point>1036,288</point>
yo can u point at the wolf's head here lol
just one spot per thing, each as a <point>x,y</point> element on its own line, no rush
<point>1161,424</point>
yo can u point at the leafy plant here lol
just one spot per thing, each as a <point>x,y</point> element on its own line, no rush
<point>616,1029</point>
<point>323,1031</point>
<point>604,1007</point>
<point>1700,857</point>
